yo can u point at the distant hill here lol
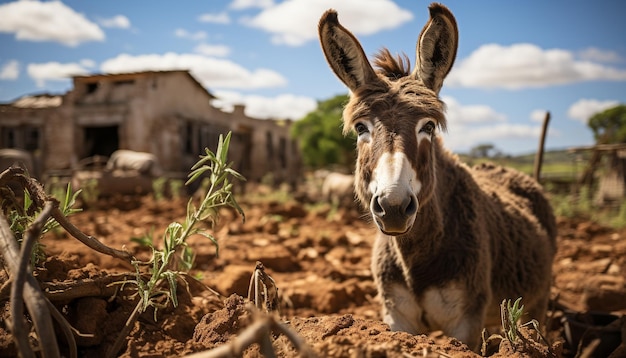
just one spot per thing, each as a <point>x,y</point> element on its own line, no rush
<point>558,162</point>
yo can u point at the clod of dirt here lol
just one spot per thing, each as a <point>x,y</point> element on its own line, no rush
<point>528,347</point>
<point>218,327</point>
<point>328,336</point>
<point>88,319</point>
<point>346,336</point>
<point>276,257</point>
<point>233,279</point>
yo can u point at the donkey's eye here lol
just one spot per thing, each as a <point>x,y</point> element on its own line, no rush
<point>361,128</point>
<point>428,128</point>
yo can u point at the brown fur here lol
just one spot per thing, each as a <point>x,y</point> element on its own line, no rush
<point>480,235</point>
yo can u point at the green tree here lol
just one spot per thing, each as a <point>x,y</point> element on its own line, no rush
<point>609,126</point>
<point>482,150</point>
<point>320,135</point>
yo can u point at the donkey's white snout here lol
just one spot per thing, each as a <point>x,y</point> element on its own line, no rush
<point>394,187</point>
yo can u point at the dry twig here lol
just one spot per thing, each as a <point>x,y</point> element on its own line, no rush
<point>24,288</point>
<point>32,297</point>
<point>258,332</point>
<point>268,296</point>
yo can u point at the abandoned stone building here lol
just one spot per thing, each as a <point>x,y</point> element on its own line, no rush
<point>167,113</point>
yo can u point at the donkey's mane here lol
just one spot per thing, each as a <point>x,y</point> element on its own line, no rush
<point>390,66</point>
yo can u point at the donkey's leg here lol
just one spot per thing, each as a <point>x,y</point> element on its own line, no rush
<point>401,310</point>
<point>468,330</point>
<point>455,310</point>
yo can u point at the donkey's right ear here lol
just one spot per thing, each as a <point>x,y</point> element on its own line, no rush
<point>344,52</point>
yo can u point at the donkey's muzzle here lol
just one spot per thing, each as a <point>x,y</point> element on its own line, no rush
<point>394,215</point>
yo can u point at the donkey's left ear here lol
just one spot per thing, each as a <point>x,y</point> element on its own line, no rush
<point>436,47</point>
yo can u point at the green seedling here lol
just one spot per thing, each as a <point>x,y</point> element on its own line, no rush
<point>176,256</point>
<point>21,218</point>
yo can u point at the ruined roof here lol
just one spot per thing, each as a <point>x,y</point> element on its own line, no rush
<point>38,101</point>
<point>135,75</point>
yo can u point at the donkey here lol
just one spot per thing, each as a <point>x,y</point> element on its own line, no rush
<point>452,241</point>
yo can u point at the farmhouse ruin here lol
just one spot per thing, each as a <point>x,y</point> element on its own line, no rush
<point>167,113</point>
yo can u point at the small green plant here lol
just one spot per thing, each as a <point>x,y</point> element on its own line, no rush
<point>620,219</point>
<point>90,191</point>
<point>158,188</point>
<point>175,255</point>
<point>511,314</point>
<point>176,187</point>
<point>21,218</point>
<point>582,206</point>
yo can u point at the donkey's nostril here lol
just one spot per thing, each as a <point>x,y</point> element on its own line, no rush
<point>409,205</point>
<point>376,208</point>
<point>394,215</point>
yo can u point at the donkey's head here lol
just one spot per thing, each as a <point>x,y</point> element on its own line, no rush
<point>395,115</point>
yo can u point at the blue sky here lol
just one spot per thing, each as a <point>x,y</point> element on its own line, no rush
<point>515,59</point>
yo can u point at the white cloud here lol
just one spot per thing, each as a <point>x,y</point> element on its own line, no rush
<point>195,36</point>
<point>538,115</point>
<point>10,70</point>
<point>212,50</point>
<point>465,114</point>
<point>584,108</point>
<point>295,22</point>
<point>116,22</point>
<point>47,21</point>
<point>221,18</point>
<point>246,4</point>
<point>599,55</point>
<point>470,125</point>
<point>54,71</point>
<point>466,137</point>
<point>211,72</point>
<point>87,63</point>
<point>526,65</point>
<point>280,107</point>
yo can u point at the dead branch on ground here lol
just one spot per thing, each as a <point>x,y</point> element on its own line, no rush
<point>25,289</point>
<point>258,332</point>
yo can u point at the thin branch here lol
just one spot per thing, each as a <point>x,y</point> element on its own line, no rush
<point>257,332</point>
<point>105,286</point>
<point>90,241</point>
<point>67,329</point>
<point>39,197</point>
<point>121,338</point>
<point>24,288</point>
<point>33,297</point>
<point>17,302</point>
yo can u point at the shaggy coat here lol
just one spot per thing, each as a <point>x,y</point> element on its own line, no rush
<point>453,241</point>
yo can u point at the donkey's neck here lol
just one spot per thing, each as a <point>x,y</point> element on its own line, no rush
<point>424,239</point>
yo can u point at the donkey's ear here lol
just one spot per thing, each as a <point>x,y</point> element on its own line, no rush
<point>436,47</point>
<point>344,52</point>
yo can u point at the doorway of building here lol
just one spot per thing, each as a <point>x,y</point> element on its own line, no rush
<point>101,140</point>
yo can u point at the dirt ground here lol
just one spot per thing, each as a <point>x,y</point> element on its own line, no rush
<point>319,259</point>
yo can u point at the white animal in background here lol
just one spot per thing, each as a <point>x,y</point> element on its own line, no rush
<point>338,189</point>
<point>144,163</point>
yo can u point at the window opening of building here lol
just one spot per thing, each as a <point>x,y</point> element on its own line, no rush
<point>101,140</point>
<point>91,87</point>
